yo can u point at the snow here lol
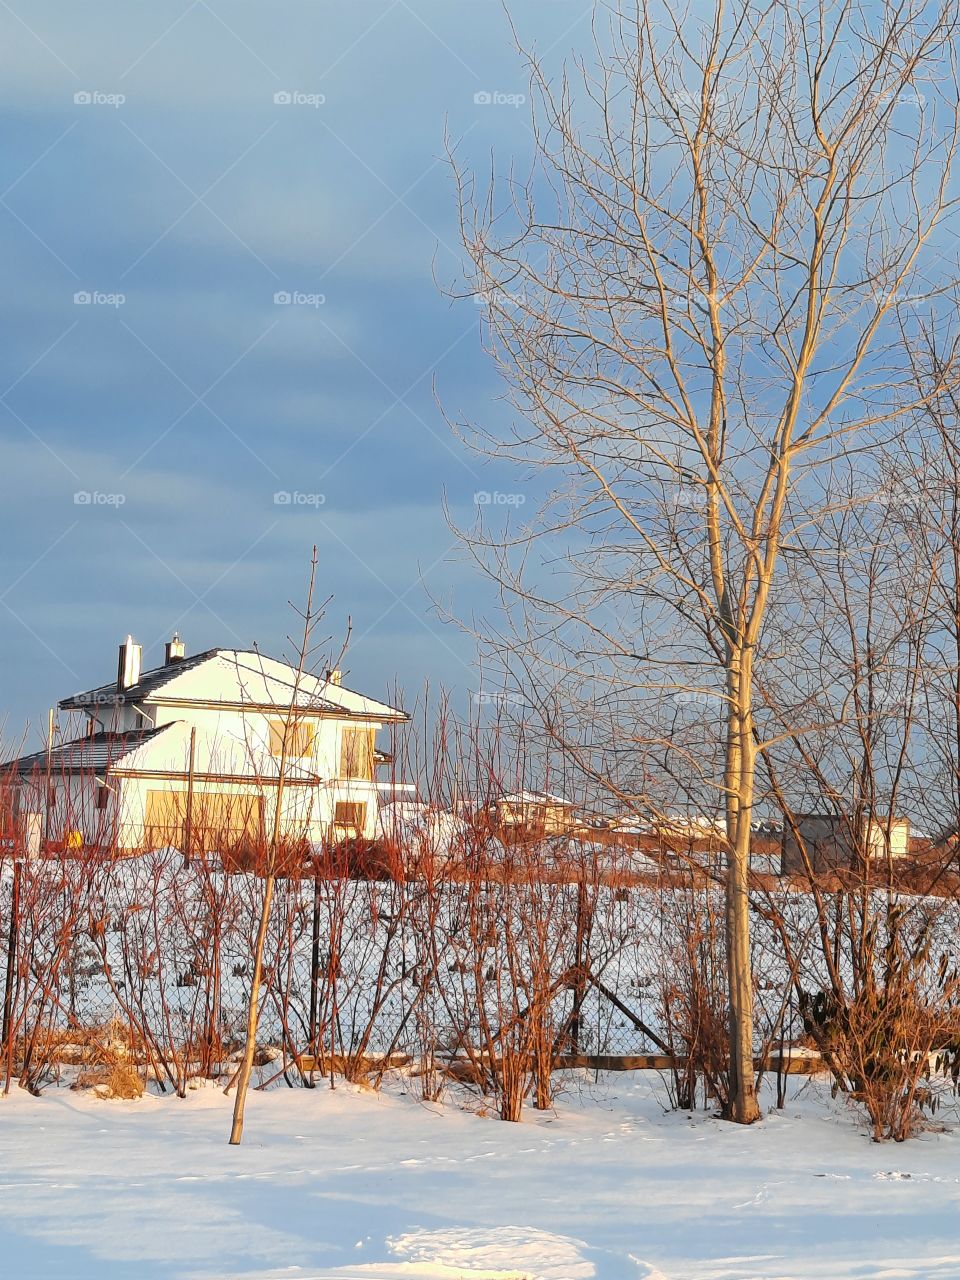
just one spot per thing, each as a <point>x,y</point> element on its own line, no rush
<point>355,1185</point>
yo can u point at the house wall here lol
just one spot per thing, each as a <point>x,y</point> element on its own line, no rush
<point>830,844</point>
<point>72,812</point>
<point>235,743</point>
<point>307,811</point>
<point>551,819</point>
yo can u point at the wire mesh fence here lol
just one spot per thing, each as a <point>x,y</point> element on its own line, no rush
<point>152,956</point>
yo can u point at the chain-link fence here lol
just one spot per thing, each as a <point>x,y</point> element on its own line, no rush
<point>153,956</point>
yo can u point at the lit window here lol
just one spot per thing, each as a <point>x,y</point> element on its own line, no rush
<point>299,738</point>
<point>356,754</point>
<point>349,818</point>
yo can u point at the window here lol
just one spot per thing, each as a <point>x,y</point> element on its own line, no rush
<point>356,754</point>
<point>216,818</point>
<point>103,796</point>
<point>299,738</point>
<point>349,818</point>
<point>9,809</point>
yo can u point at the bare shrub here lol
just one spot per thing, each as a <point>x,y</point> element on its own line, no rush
<point>881,1039</point>
<point>692,985</point>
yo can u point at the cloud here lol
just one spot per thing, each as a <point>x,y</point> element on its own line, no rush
<point>349,199</point>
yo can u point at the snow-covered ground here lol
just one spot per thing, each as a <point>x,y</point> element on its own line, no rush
<point>354,1185</point>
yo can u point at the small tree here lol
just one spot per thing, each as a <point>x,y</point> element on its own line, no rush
<point>291,721</point>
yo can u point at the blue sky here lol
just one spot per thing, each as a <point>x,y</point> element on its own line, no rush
<point>147,159</point>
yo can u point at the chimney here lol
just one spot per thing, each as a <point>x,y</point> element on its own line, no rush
<point>334,675</point>
<point>173,650</point>
<point>128,667</point>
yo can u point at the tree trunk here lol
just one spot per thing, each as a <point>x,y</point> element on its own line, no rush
<point>253,1014</point>
<point>742,1105</point>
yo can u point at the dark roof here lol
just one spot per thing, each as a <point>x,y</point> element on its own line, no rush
<point>108,695</point>
<point>91,754</point>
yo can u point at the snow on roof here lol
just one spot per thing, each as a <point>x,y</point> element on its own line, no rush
<point>237,677</point>
<point>535,797</point>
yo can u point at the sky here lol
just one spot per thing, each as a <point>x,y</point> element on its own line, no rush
<point>228,233</point>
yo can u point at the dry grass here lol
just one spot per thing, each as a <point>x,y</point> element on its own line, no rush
<point>118,1080</point>
<point>96,1045</point>
<point>108,1061</point>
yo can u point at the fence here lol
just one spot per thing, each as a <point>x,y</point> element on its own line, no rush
<point>478,975</point>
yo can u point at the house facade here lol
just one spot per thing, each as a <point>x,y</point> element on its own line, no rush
<point>829,842</point>
<point>535,812</point>
<point>195,753</point>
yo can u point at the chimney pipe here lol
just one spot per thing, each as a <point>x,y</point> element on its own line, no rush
<point>173,650</point>
<point>128,666</point>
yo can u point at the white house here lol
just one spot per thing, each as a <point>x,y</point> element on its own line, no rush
<point>193,752</point>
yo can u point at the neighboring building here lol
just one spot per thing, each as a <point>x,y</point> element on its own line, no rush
<point>535,812</point>
<point>189,753</point>
<point>830,844</point>
<point>766,847</point>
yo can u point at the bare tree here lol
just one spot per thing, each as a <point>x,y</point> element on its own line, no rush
<point>291,721</point>
<point>699,294</point>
